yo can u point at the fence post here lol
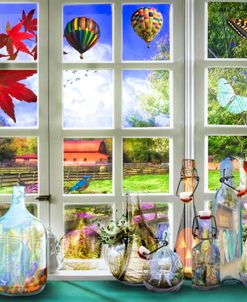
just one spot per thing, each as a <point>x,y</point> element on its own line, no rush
<point>19,177</point>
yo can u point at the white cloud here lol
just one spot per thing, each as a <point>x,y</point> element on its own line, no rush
<point>99,52</point>
<point>87,98</point>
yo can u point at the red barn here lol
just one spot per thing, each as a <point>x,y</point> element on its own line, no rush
<point>27,159</point>
<point>85,152</point>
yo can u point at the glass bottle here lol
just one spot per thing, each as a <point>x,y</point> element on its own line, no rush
<point>163,269</point>
<point>227,211</point>
<point>122,258</point>
<point>23,268</point>
<point>242,194</point>
<point>205,254</point>
<point>184,242</point>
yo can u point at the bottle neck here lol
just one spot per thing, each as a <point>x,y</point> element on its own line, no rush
<point>19,196</point>
<point>132,208</point>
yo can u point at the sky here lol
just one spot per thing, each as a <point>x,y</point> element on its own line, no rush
<point>88,95</point>
<point>134,47</point>
<point>99,102</point>
<point>26,113</point>
<point>87,99</point>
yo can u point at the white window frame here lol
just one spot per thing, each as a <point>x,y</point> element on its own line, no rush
<point>42,131</point>
<point>203,130</point>
<point>57,134</point>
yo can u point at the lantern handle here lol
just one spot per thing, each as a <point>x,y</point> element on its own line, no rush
<point>223,180</point>
<point>197,178</point>
<point>195,227</point>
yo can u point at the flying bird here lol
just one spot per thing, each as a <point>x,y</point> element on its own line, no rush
<point>81,185</point>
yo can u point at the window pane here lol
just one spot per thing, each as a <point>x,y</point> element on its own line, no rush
<point>87,98</point>
<point>18,163</point>
<point>18,32</point>
<point>32,208</point>
<point>147,21</point>
<point>81,242</point>
<point>220,147</point>
<point>146,165</point>
<point>227,30</point>
<point>227,96</point>
<point>88,166</point>
<point>87,32</point>
<point>18,101</point>
<point>155,216</point>
<point>146,98</point>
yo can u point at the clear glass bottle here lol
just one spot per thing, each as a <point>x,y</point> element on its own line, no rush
<point>163,269</point>
<point>227,211</point>
<point>205,254</point>
<point>23,268</point>
<point>184,242</point>
<point>122,258</point>
<point>242,194</point>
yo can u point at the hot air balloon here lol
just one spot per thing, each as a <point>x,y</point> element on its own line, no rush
<point>82,34</point>
<point>147,23</point>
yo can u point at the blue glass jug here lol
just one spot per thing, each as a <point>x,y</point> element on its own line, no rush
<point>23,268</point>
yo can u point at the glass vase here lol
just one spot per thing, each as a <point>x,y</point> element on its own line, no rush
<point>23,267</point>
<point>122,257</point>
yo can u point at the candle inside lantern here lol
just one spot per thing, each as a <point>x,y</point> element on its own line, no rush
<point>185,196</point>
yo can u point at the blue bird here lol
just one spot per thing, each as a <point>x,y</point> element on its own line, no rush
<point>81,185</point>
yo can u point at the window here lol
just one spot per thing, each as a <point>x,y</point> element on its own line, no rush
<point>221,61</point>
<point>90,126</point>
<point>24,103</point>
<point>115,115</point>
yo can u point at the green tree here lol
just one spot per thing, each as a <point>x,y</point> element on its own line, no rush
<point>237,78</point>
<point>157,102</point>
<point>6,151</point>
<point>223,42</point>
<point>141,150</point>
<point>222,146</point>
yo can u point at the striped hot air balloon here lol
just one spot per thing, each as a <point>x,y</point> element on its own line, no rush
<point>82,34</point>
<point>147,23</point>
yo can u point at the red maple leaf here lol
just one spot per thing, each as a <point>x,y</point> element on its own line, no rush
<point>10,88</point>
<point>34,52</point>
<point>28,22</point>
<point>13,39</point>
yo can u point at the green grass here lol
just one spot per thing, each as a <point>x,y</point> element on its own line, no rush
<point>148,183</point>
<point>6,190</point>
<point>139,183</point>
<point>214,179</point>
<point>95,187</point>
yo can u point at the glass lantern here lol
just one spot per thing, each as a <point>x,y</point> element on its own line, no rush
<point>185,241</point>
<point>205,254</point>
<point>23,267</point>
<point>163,269</point>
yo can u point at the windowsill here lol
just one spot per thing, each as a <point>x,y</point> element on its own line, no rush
<point>66,275</point>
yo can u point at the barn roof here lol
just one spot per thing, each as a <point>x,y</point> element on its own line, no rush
<point>82,146</point>
<point>27,156</point>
